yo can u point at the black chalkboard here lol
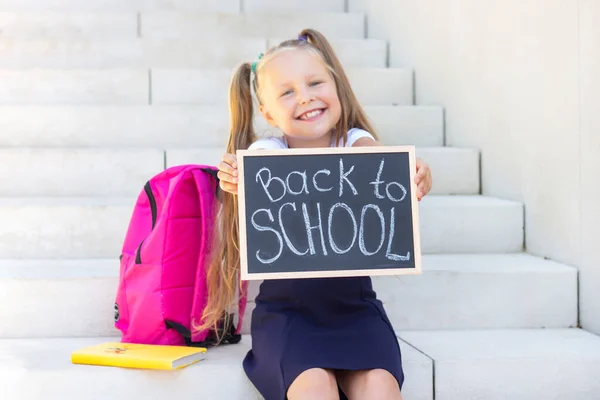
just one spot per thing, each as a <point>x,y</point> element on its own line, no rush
<point>328,212</point>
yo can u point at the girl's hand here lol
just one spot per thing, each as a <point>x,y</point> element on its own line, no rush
<point>228,174</point>
<point>422,179</point>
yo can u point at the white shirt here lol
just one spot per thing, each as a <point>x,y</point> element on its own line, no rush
<point>278,143</point>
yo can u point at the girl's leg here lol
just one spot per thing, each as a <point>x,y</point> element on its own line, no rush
<point>314,384</point>
<point>369,384</point>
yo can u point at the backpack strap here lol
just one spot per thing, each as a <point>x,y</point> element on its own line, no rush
<point>229,336</point>
<point>218,191</point>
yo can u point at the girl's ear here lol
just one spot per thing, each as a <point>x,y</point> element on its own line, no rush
<point>267,116</point>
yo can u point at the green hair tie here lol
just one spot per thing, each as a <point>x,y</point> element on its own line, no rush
<point>255,63</point>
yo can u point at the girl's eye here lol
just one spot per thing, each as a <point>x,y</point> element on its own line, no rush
<point>286,93</point>
<point>315,83</point>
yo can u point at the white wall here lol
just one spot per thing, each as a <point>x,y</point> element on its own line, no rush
<point>520,80</point>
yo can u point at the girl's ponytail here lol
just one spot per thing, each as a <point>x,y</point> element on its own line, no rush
<point>241,110</point>
<point>223,273</point>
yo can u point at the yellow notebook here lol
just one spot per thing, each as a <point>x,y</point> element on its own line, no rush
<point>146,356</point>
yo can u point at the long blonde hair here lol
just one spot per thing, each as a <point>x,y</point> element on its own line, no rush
<point>223,272</point>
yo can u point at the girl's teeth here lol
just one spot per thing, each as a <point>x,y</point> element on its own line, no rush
<point>311,114</point>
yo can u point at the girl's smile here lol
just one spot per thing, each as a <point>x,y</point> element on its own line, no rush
<point>312,115</point>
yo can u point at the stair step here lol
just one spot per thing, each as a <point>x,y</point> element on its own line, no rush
<point>51,25</point>
<point>455,170</point>
<point>294,5</point>
<point>138,86</point>
<point>91,227</point>
<point>70,228</point>
<point>401,125</point>
<point>80,87</point>
<point>372,86</point>
<point>77,172</point>
<point>278,24</point>
<point>474,291</point>
<point>166,53</point>
<point>41,368</point>
<point>469,236</point>
<point>471,224</point>
<point>68,298</point>
<point>471,292</point>
<point>113,126</point>
<point>128,53</point>
<point>120,5</point>
<point>517,365</point>
<point>179,126</point>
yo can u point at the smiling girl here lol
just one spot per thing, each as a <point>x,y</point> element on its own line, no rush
<point>318,338</point>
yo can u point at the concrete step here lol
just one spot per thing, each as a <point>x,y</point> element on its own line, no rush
<point>70,228</point>
<point>195,24</point>
<point>51,25</point>
<point>128,53</point>
<point>467,291</point>
<point>373,86</point>
<point>92,227</point>
<point>77,172</point>
<point>180,126</point>
<point>119,5</point>
<point>166,53</point>
<point>454,170</point>
<point>122,172</point>
<point>517,364</point>
<point>474,291</point>
<point>113,126</point>
<point>471,224</point>
<point>68,298</point>
<point>41,368</point>
<point>294,5</point>
<point>77,87</point>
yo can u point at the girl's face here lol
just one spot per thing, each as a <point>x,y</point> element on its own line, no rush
<point>299,96</point>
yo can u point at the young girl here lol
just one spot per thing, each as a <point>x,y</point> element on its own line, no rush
<point>311,338</point>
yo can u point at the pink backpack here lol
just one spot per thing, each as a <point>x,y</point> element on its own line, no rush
<point>162,283</point>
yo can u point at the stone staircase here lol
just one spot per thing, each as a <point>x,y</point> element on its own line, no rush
<point>96,96</point>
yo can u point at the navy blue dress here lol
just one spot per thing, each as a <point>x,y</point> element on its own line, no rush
<point>332,323</point>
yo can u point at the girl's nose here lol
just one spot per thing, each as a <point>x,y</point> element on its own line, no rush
<point>304,95</point>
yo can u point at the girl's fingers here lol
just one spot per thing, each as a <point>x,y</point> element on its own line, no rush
<point>228,168</point>
<point>227,177</point>
<point>228,187</point>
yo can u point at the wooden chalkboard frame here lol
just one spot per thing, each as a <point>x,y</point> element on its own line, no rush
<point>245,275</point>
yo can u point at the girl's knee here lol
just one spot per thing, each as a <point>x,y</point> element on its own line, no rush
<point>370,384</point>
<point>316,383</point>
<point>379,378</point>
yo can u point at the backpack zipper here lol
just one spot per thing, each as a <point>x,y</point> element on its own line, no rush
<point>154,211</point>
<point>152,200</point>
